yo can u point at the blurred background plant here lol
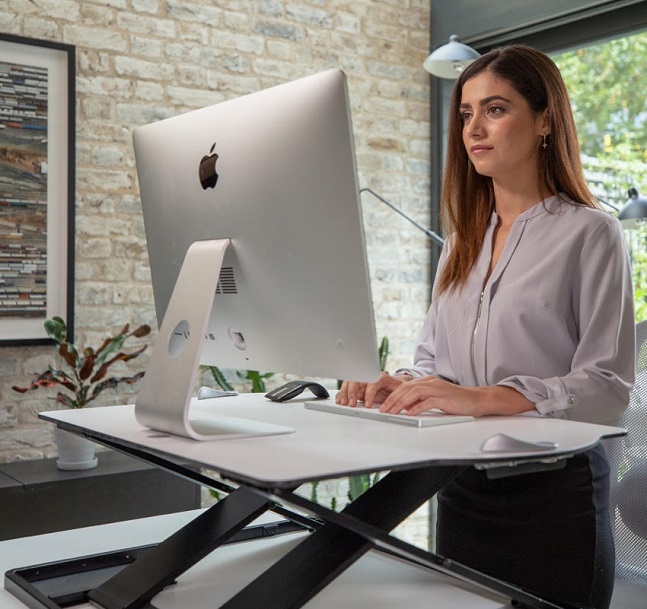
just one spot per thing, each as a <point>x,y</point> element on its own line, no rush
<point>252,377</point>
<point>87,370</point>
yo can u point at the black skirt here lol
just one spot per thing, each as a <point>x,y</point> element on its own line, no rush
<point>547,532</point>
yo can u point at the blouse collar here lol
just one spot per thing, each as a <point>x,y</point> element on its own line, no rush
<point>546,206</point>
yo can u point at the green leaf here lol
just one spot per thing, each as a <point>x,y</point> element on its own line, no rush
<point>56,329</point>
<point>357,485</point>
<point>313,492</point>
<point>258,380</point>
<point>383,352</point>
<point>219,377</point>
<point>109,347</point>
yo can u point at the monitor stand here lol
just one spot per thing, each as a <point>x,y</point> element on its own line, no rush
<point>165,395</point>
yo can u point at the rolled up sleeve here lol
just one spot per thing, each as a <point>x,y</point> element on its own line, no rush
<point>596,389</point>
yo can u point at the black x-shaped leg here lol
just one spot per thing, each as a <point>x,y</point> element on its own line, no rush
<point>331,549</point>
<point>135,585</point>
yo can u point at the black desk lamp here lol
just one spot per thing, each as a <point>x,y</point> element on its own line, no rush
<point>634,213</point>
<point>431,234</point>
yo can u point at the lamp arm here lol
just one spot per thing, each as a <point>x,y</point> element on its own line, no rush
<point>431,234</point>
<point>605,202</point>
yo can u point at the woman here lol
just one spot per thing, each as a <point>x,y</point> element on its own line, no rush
<point>532,314</point>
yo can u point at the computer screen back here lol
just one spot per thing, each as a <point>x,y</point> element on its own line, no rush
<point>274,172</point>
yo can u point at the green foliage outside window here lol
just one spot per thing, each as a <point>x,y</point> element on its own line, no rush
<point>605,83</point>
<point>637,240</point>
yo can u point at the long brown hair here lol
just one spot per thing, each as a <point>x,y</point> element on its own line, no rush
<point>468,198</point>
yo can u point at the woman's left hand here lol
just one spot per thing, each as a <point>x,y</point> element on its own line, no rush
<point>431,392</point>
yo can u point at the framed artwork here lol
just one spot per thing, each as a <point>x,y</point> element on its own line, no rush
<point>37,178</point>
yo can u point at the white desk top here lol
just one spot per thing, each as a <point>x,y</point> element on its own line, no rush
<point>327,445</point>
<point>375,581</point>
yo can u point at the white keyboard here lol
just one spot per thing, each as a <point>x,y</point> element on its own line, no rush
<point>426,419</point>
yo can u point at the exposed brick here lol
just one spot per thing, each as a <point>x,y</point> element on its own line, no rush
<point>140,61</point>
<point>95,37</point>
<point>278,30</point>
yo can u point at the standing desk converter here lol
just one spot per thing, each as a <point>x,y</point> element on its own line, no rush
<point>262,473</point>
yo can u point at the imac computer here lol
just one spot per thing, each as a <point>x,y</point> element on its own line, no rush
<point>256,246</point>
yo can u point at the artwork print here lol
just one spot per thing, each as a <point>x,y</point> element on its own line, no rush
<point>23,191</point>
<point>37,175</point>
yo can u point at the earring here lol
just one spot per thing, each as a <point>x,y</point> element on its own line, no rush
<point>544,145</point>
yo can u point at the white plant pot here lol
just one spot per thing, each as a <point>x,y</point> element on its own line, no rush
<point>74,452</point>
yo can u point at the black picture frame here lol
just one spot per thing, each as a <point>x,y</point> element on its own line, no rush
<point>37,187</point>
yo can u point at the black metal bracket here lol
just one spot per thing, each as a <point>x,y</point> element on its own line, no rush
<point>331,549</point>
<point>144,578</point>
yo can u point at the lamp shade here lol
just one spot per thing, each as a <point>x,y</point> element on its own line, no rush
<point>449,60</point>
<point>634,213</point>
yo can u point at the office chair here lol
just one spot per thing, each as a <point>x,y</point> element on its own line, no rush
<point>628,460</point>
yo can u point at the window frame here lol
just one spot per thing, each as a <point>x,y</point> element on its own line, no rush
<point>550,34</point>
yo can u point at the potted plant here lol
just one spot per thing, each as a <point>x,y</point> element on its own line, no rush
<point>83,379</point>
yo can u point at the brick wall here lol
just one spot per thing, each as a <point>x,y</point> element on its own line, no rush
<point>142,60</point>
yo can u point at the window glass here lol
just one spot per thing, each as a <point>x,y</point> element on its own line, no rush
<point>606,83</point>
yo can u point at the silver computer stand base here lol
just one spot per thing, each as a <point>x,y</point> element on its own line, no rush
<point>165,396</point>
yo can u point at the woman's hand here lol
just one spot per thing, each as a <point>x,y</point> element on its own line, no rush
<point>352,392</point>
<point>432,392</point>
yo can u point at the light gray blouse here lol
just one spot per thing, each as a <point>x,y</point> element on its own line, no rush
<point>555,320</point>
